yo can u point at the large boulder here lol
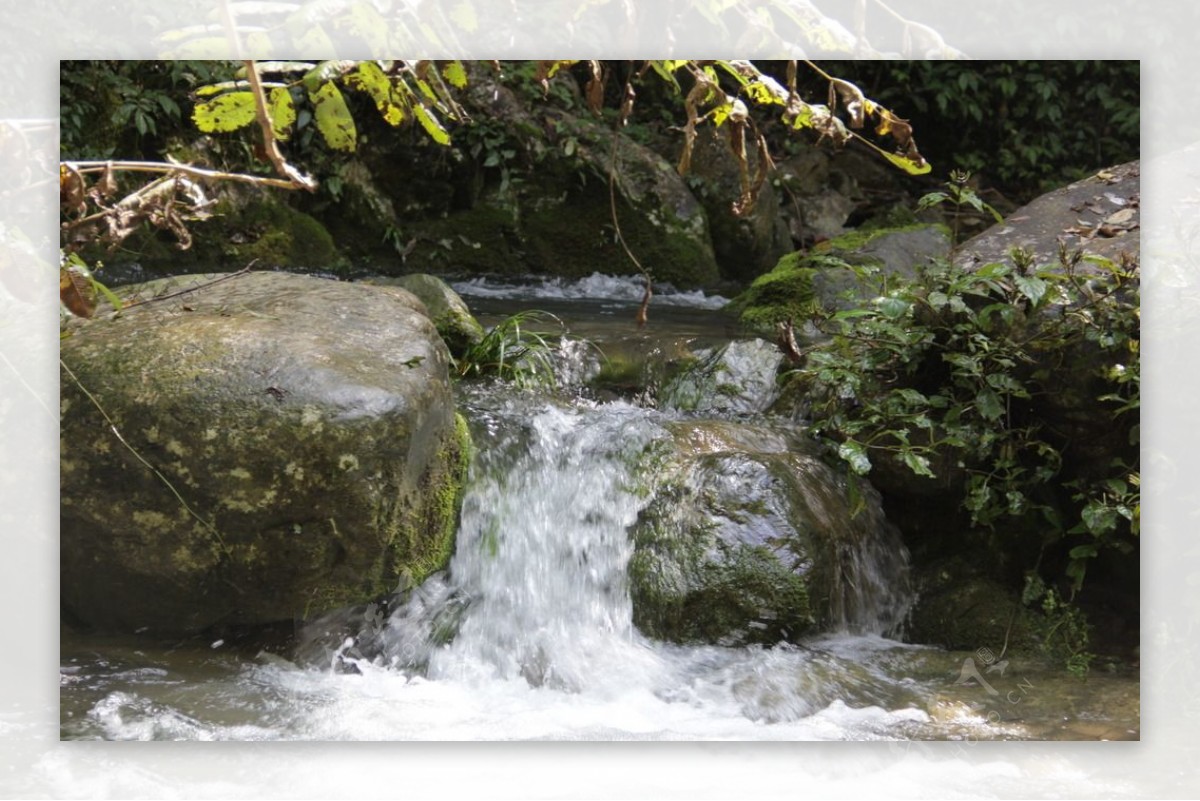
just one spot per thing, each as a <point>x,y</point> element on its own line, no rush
<point>1100,215</point>
<point>751,539</point>
<point>259,449</point>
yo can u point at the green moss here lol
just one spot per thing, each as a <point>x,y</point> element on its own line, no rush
<point>446,498</point>
<point>281,235</point>
<point>782,294</point>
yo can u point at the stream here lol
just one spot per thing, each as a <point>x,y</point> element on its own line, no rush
<point>529,634</point>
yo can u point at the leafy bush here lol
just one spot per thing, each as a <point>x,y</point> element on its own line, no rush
<point>959,370</point>
<point>127,108</point>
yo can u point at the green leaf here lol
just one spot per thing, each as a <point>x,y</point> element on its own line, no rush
<point>224,113</point>
<point>856,456</point>
<point>1099,519</point>
<point>1032,288</point>
<point>993,270</point>
<point>989,405</point>
<point>912,397</point>
<point>931,199</point>
<point>282,112</point>
<point>893,308</point>
<point>333,118</point>
<point>1083,551</point>
<point>917,463</point>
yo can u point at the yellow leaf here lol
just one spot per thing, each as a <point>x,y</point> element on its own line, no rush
<point>431,125</point>
<point>371,79</point>
<point>455,74</point>
<point>282,111</point>
<point>910,166</point>
<point>333,118</point>
<point>226,112</point>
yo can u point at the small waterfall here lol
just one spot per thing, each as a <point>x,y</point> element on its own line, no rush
<point>542,553</point>
<point>538,588</point>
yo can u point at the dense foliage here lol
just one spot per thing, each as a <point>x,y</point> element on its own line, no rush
<point>969,373</point>
<point>1022,126</point>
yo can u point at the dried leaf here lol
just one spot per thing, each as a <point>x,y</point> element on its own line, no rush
<point>627,104</point>
<point>851,96</point>
<point>76,292</point>
<point>72,190</point>
<point>1121,217</point>
<point>106,187</point>
<point>594,91</point>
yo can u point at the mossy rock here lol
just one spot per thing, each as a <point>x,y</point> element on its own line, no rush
<point>738,378</point>
<point>961,608</point>
<point>288,446</point>
<point>839,273</point>
<point>751,539</point>
<point>247,225</point>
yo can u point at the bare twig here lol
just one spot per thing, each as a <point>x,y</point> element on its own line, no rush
<point>198,287</point>
<point>644,309</point>
<point>172,167</point>
<point>270,143</point>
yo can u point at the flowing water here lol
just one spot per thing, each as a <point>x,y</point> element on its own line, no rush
<point>529,633</point>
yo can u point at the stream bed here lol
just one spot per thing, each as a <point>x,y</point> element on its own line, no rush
<point>529,634</point>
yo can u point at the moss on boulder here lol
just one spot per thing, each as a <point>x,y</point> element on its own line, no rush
<point>292,447</point>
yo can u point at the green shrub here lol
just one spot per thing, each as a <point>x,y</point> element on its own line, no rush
<point>976,369</point>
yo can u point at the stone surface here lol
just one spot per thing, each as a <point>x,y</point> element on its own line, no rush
<point>834,273</point>
<point>450,315</point>
<point>308,425</point>
<point>1100,215</point>
<point>750,539</point>
<point>738,378</point>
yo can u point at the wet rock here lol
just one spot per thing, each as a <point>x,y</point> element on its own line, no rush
<point>738,378</point>
<point>305,427</point>
<point>751,540</point>
<point>458,327</point>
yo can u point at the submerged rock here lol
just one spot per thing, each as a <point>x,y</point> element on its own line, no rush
<point>287,445</point>
<point>749,539</point>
